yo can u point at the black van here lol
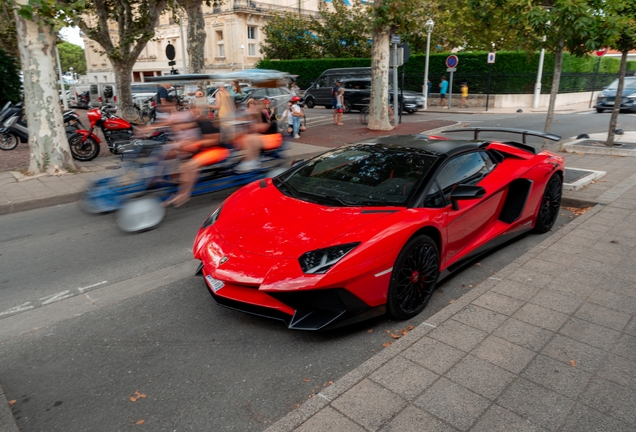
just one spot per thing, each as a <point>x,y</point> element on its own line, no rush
<point>319,93</point>
<point>357,85</point>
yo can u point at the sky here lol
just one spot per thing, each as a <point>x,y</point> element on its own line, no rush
<point>71,34</point>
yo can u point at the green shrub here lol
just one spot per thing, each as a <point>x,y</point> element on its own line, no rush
<point>10,88</point>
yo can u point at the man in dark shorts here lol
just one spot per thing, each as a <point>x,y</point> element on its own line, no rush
<point>443,89</point>
<point>334,100</point>
<point>164,101</point>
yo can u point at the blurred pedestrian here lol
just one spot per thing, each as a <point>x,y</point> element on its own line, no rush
<point>443,89</point>
<point>464,89</point>
<point>339,107</point>
<point>334,100</point>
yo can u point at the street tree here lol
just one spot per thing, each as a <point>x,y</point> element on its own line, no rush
<point>196,32</point>
<point>344,31</point>
<point>577,26</point>
<point>72,56</point>
<point>36,24</point>
<point>122,28</point>
<point>8,41</point>
<point>10,88</point>
<point>625,13</point>
<point>287,37</point>
<point>389,17</point>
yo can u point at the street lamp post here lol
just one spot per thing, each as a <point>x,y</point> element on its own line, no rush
<point>537,86</point>
<point>429,28</point>
<point>242,57</point>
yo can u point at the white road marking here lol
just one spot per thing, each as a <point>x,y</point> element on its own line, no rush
<point>82,289</point>
<point>382,273</point>
<point>21,308</point>
<point>430,325</point>
<point>56,297</point>
<point>494,278</point>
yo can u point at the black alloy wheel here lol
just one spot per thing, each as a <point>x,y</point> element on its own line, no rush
<point>83,150</point>
<point>8,141</point>
<point>414,278</point>
<point>309,102</point>
<point>550,205</point>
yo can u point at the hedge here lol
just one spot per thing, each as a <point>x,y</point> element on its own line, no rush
<point>470,63</point>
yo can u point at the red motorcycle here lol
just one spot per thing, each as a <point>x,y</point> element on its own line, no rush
<point>117,131</point>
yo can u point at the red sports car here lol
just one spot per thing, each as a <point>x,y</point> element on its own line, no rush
<point>371,228</point>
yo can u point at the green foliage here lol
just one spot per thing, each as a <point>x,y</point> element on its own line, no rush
<point>339,33</point>
<point>8,40</point>
<point>72,55</point>
<point>287,37</point>
<point>56,14</point>
<point>10,88</point>
<point>310,69</point>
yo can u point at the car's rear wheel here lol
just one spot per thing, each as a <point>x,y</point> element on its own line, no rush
<point>414,277</point>
<point>600,110</point>
<point>310,103</point>
<point>550,205</point>
<point>347,106</point>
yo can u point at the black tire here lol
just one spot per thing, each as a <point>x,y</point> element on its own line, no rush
<point>309,102</point>
<point>550,205</point>
<point>414,278</point>
<point>411,111</point>
<point>8,141</point>
<point>83,151</point>
<point>347,106</point>
<point>600,110</point>
<point>328,106</point>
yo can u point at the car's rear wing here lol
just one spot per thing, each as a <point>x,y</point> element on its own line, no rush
<point>523,132</point>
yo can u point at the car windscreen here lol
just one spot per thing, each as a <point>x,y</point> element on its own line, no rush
<point>629,85</point>
<point>359,175</point>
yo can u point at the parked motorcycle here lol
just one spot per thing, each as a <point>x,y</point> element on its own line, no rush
<point>117,131</point>
<point>15,128</point>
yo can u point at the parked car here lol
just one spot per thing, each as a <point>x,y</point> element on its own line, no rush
<point>278,96</point>
<point>319,92</point>
<point>358,92</point>
<point>371,228</point>
<point>607,98</point>
<point>102,93</point>
<point>76,92</point>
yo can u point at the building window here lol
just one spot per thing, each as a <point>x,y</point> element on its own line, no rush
<point>220,44</point>
<point>251,49</point>
<point>251,32</point>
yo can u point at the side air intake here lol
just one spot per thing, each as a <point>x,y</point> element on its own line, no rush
<point>518,192</point>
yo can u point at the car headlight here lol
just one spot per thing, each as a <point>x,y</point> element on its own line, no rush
<point>212,218</point>
<point>601,95</point>
<point>631,96</point>
<point>321,260</point>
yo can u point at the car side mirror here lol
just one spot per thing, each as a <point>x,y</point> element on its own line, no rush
<point>465,192</point>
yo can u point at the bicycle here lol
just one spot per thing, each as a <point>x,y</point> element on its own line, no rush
<point>145,113</point>
<point>364,115</point>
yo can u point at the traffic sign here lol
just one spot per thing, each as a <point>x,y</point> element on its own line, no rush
<point>491,57</point>
<point>452,61</point>
<point>601,52</point>
<point>451,69</point>
<point>395,39</point>
<point>170,51</point>
<point>406,52</point>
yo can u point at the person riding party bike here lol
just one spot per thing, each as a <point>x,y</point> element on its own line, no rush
<point>200,144</point>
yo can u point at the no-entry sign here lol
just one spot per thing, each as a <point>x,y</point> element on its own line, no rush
<point>452,61</point>
<point>601,52</point>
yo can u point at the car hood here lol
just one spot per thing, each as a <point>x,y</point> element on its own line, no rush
<point>260,220</point>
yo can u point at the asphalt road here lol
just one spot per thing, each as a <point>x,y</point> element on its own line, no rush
<point>172,357</point>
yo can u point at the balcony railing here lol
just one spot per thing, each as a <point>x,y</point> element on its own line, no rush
<point>267,8</point>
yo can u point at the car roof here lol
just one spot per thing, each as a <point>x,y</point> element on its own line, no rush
<point>422,142</point>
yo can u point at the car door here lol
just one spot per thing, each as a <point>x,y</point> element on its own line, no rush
<point>473,223</point>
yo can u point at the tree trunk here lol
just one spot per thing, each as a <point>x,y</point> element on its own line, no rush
<point>123,79</point>
<point>617,101</point>
<point>378,106</point>
<point>554,91</point>
<point>49,150</point>
<point>196,37</point>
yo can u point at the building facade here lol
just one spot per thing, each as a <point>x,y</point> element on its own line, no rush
<point>234,36</point>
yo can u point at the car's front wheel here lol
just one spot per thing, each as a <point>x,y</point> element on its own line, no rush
<point>309,102</point>
<point>550,205</point>
<point>414,277</point>
<point>600,110</point>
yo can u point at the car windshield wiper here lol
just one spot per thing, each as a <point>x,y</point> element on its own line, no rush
<point>330,199</point>
<point>281,184</point>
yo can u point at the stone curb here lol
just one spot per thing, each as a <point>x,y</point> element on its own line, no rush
<point>39,203</point>
<point>7,421</point>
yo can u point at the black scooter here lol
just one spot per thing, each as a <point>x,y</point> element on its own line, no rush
<point>14,127</point>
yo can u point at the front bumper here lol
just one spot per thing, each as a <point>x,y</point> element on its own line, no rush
<point>319,309</point>
<point>607,103</point>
